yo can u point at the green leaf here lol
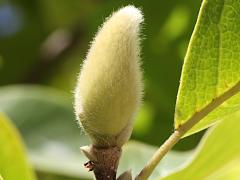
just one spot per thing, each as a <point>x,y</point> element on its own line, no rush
<point>135,155</point>
<point>212,66</point>
<point>218,155</point>
<point>46,121</point>
<point>13,163</point>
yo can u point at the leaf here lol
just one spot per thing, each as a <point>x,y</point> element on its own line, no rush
<point>13,163</point>
<point>218,155</point>
<point>135,155</point>
<point>46,121</point>
<point>212,66</point>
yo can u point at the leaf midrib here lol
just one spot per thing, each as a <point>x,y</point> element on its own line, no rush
<point>209,108</point>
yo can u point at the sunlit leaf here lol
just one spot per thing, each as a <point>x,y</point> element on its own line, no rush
<point>212,64</point>
<point>218,155</point>
<point>13,162</point>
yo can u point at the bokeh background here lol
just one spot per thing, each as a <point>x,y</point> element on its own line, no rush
<point>43,42</point>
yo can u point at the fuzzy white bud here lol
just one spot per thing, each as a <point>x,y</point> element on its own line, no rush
<point>109,88</point>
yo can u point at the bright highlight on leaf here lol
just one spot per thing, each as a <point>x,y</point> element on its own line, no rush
<point>109,89</point>
<point>13,163</point>
<point>212,64</point>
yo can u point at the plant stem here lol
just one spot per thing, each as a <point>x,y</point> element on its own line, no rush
<point>105,162</point>
<point>168,144</point>
<point>182,129</point>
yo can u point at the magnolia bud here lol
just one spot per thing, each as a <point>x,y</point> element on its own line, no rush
<point>109,88</point>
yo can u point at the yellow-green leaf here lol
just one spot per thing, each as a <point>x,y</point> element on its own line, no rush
<point>218,155</point>
<point>13,163</point>
<point>212,65</point>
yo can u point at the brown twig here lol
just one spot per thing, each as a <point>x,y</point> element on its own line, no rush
<point>105,162</point>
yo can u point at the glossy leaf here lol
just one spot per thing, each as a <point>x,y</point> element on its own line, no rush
<point>212,64</point>
<point>13,162</point>
<point>218,155</point>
